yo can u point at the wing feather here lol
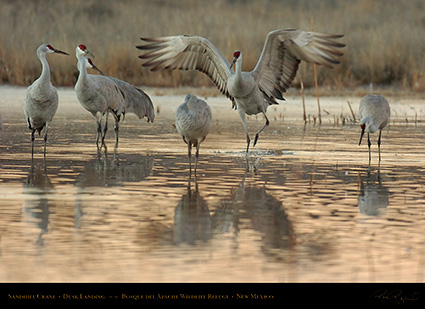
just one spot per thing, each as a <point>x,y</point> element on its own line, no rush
<point>187,52</point>
<point>274,72</point>
<point>282,52</point>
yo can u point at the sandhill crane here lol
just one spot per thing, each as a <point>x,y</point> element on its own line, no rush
<point>193,122</point>
<point>101,95</point>
<point>374,113</point>
<point>254,91</point>
<point>41,101</point>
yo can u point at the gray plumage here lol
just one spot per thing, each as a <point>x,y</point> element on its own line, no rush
<point>102,95</point>
<point>193,122</point>
<point>98,95</point>
<point>374,111</point>
<point>254,91</point>
<point>41,102</point>
<point>136,100</point>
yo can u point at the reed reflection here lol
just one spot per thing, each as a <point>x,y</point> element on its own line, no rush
<point>37,207</point>
<point>374,196</point>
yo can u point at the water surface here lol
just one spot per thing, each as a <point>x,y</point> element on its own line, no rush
<point>304,206</point>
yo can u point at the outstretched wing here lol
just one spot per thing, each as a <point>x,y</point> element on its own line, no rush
<point>282,52</point>
<point>187,52</point>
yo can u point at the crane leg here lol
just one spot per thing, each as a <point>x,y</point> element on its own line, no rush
<point>197,155</point>
<point>32,142</point>
<point>116,128</point>
<point>99,128</point>
<point>105,129</point>
<point>369,144</point>
<point>261,130</point>
<point>242,116</point>
<point>45,137</point>
<point>379,145</point>
<point>189,154</point>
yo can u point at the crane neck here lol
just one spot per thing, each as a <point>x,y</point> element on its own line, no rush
<point>238,68</point>
<point>44,79</point>
<point>238,73</point>
<point>81,65</point>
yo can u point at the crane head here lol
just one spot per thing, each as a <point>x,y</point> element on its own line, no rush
<point>47,48</point>
<point>90,64</point>
<point>237,55</point>
<point>82,50</point>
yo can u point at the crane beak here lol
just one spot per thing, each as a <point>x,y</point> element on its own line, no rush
<point>60,52</point>
<point>97,69</point>
<point>233,62</point>
<point>361,135</point>
<point>88,53</point>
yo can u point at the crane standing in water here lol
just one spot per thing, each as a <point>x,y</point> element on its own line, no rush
<point>251,92</point>
<point>101,95</point>
<point>42,99</point>
<point>193,122</point>
<point>374,113</point>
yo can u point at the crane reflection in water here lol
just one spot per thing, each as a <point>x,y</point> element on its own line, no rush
<point>374,196</point>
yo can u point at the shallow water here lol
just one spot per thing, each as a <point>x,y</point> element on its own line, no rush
<point>303,207</point>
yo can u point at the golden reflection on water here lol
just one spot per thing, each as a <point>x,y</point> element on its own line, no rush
<point>143,218</point>
<point>303,207</point>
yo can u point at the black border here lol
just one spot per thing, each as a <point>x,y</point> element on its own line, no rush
<point>293,294</point>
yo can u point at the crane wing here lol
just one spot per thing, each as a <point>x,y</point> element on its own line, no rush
<point>187,52</point>
<point>282,52</point>
<point>136,101</point>
<point>112,94</point>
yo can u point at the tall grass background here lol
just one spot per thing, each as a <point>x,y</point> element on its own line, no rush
<point>385,38</point>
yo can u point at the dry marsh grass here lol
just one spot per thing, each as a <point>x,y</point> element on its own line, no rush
<point>384,39</point>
